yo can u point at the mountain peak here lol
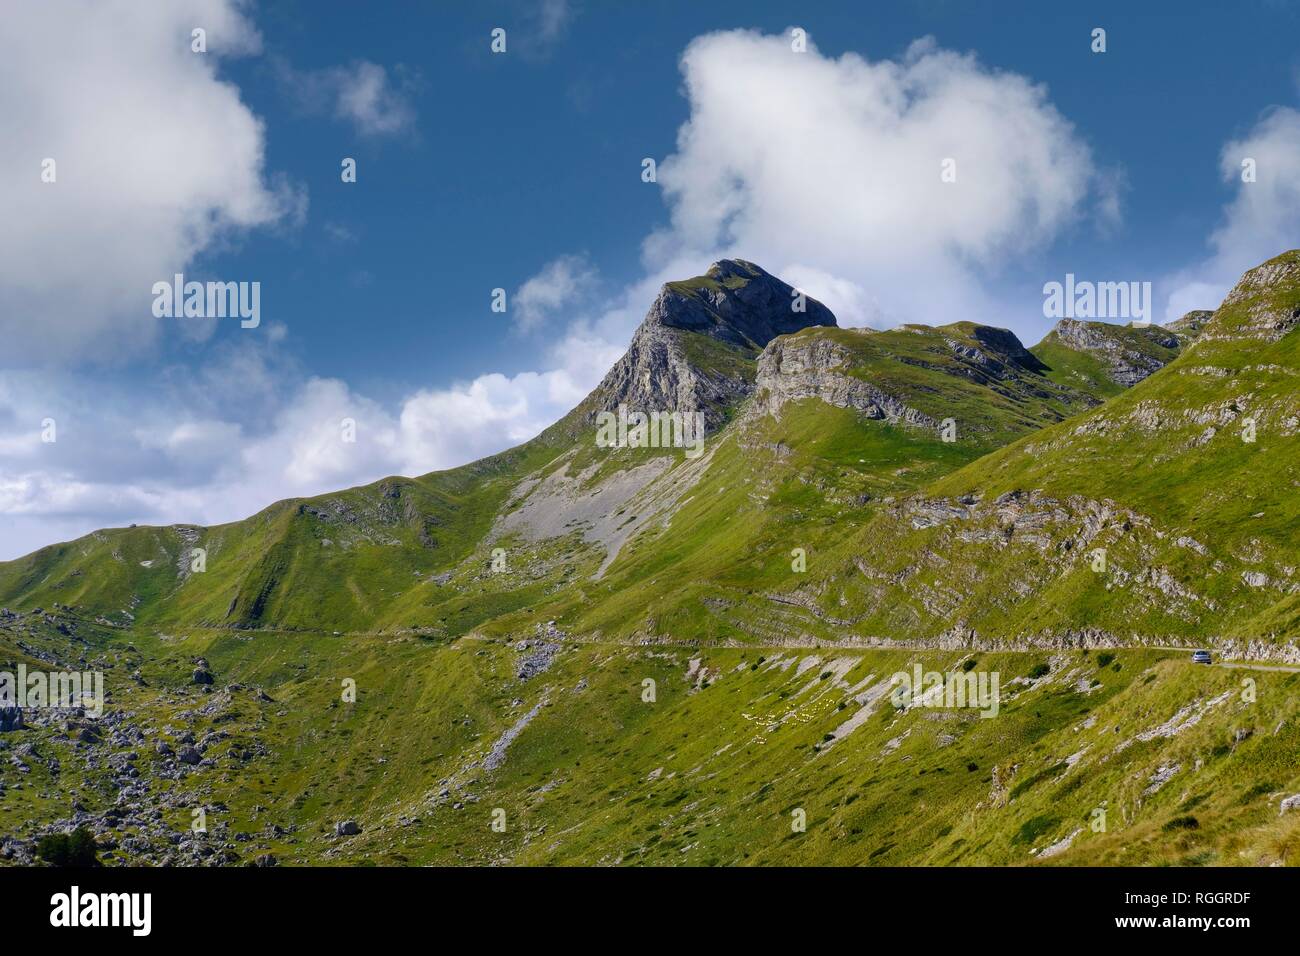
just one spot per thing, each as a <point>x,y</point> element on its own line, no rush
<point>739,303</point>
<point>1127,353</point>
<point>696,348</point>
<point>1263,305</point>
<point>1002,342</point>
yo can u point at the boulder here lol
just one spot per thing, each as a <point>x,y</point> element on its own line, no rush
<point>11,718</point>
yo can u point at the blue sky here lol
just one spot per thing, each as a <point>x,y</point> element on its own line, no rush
<point>516,159</point>
<point>479,170</point>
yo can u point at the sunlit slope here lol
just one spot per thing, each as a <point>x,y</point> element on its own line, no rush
<point>1101,359</point>
<point>841,421</point>
<point>337,561</point>
<point>983,378</point>
<point>715,765</point>
<point>418,654</point>
<point>1188,481</point>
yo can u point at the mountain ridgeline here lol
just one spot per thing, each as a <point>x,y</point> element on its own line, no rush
<point>814,418</point>
<point>695,351</point>
<point>640,655</point>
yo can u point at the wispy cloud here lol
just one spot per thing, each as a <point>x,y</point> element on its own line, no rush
<point>552,19</point>
<point>362,93</point>
<point>560,283</point>
<point>541,28</point>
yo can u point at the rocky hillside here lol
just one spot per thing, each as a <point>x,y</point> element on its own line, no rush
<point>980,377</point>
<point>865,502</point>
<point>1189,326</point>
<point>695,350</point>
<point>542,750</point>
<point>1185,481</point>
<point>1104,359</point>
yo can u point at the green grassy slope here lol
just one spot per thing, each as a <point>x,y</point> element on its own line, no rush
<point>340,561</point>
<point>1193,516</point>
<point>804,480</point>
<point>1069,366</point>
<point>1187,764</point>
<point>978,375</point>
<point>369,558</point>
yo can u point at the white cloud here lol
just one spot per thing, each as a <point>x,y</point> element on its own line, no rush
<point>792,158</point>
<point>552,19</point>
<point>367,98</point>
<point>540,28</point>
<point>156,159</point>
<point>827,172</point>
<point>176,459</point>
<point>853,306</point>
<point>560,283</point>
<point>339,232</point>
<point>361,93</point>
<point>1262,220</point>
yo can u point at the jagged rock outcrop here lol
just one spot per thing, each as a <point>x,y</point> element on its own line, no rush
<point>896,375</point>
<point>1263,305</point>
<point>694,351</point>
<point>1130,353</point>
<point>810,367</point>
<point>999,353</point>
<point>1188,328</point>
<point>11,718</point>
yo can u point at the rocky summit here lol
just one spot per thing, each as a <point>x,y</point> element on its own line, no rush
<point>573,652</point>
<point>695,350</point>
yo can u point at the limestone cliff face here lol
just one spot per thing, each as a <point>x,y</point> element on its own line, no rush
<point>1129,353</point>
<point>895,375</point>
<point>656,375</point>
<point>812,367</point>
<point>1263,305</point>
<point>695,349</point>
